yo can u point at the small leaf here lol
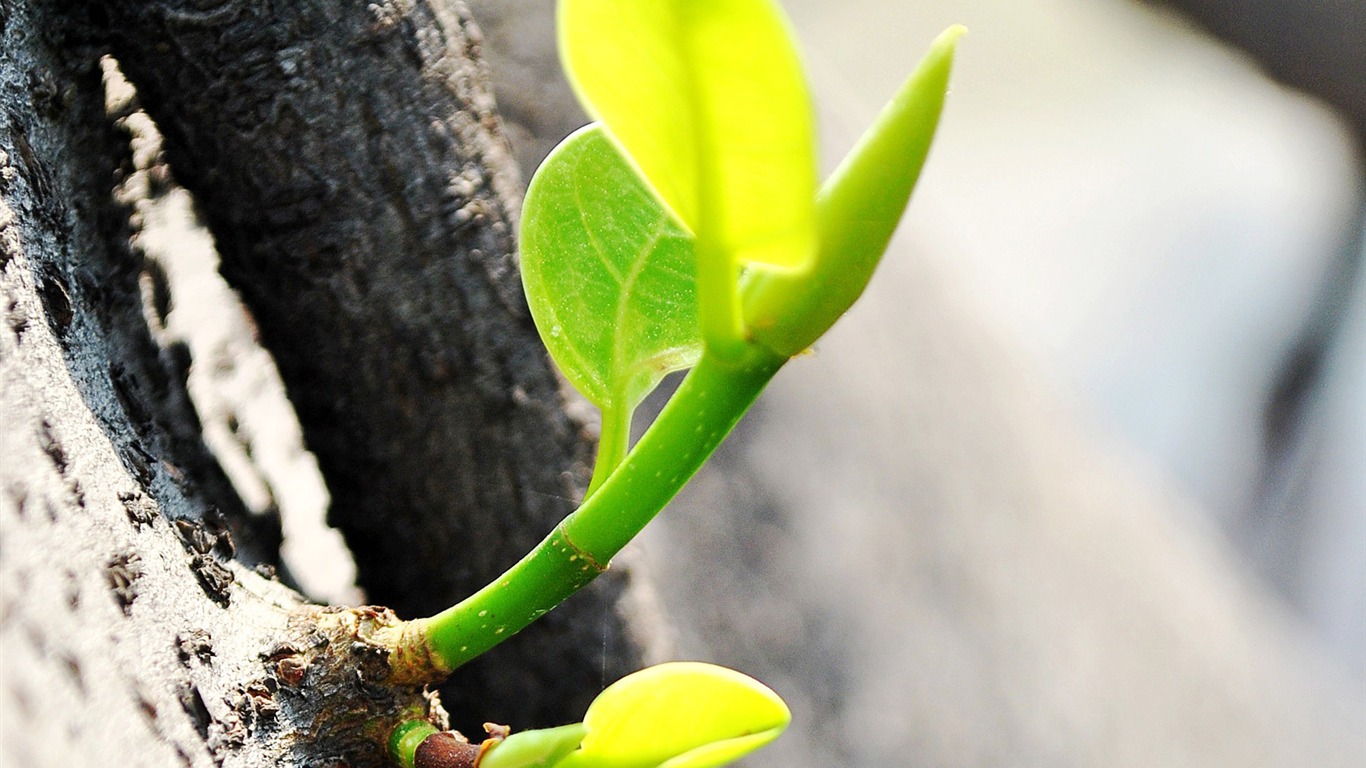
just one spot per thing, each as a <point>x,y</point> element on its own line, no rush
<point>679,715</point>
<point>608,273</point>
<point>858,209</point>
<point>708,98</point>
<point>539,748</point>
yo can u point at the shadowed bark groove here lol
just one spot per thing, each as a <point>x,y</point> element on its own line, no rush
<point>350,165</point>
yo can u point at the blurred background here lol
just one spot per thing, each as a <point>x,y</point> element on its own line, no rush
<point>1082,481</point>
<point>1167,234</point>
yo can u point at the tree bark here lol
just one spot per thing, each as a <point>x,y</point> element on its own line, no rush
<point>349,163</point>
<point>132,627</point>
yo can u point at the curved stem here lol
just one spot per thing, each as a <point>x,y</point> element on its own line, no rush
<point>701,413</point>
<point>707,405</point>
<point>614,439</point>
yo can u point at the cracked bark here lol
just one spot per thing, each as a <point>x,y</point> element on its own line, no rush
<point>350,166</point>
<point>131,624</point>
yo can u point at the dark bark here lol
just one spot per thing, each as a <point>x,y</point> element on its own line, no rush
<point>534,100</point>
<point>349,163</point>
<point>350,166</point>
<point>131,629</point>
<point>1049,609</point>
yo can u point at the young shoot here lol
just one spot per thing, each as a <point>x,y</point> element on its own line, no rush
<point>674,715</point>
<point>660,238</point>
<point>683,229</point>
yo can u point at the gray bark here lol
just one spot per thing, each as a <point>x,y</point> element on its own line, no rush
<point>1080,625</point>
<point>129,631</point>
<point>349,164</point>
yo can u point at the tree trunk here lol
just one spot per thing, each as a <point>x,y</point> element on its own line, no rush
<point>349,163</point>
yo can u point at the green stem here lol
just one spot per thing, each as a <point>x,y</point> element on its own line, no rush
<point>701,413</point>
<point>405,738</point>
<point>718,302</point>
<point>613,442</point>
<point>707,405</point>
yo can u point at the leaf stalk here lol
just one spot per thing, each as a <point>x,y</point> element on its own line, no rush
<point>706,407</point>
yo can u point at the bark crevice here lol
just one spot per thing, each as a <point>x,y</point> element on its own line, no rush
<point>350,166</point>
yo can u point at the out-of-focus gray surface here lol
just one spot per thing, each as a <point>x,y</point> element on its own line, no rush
<point>969,580</point>
<point>1133,205</point>
<point>1320,507</point>
<point>1152,221</point>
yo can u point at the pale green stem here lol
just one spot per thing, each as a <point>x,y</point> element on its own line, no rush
<point>614,439</point>
<point>718,302</point>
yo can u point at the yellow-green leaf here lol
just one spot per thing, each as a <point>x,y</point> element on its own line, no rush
<point>708,98</point>
<point>539,748</point>
<point>679,715</point>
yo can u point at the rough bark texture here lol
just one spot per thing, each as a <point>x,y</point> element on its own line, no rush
<point>534,99</point>
<point>349,163</point>
<point>132,631</point>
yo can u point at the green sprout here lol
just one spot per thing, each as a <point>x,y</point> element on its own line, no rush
<point>626,284</point>
<point>684,229</point>
<point>676,715</point>
<point>682,714</point>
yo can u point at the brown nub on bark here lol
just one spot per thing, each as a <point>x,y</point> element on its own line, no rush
<point>445,750</point>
